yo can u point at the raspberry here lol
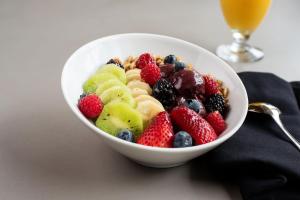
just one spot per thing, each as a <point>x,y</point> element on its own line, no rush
<point>215,102</point>
<point>216,120</point>
<point>164,91</point>
<point>188,120</point>
<point>150,74</point>
<point>91,106</point>
<point>144,60</point>
<point>211,85</point>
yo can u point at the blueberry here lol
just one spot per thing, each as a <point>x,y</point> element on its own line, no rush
<point>125,135</point>
<point>179,66</point>
<point>193,104</point>
<point>170,59</point>
<point>182,139</point>
<point>82,95</point>
<point>115,61</point>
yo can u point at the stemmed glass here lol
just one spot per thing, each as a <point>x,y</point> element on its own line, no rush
<point>243,17</point>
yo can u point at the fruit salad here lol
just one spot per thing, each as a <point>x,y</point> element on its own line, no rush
<point>155,101</point>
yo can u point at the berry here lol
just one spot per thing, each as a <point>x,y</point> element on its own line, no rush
<point>91,106</point>
<point>179,66</point>
<point>159,133</point>
<point>170,59</point>
<point>164,91</point>
<point>215,119</point>
<point>215,102</point>
<point>189,121</point>
<point>126,135</point>
<point>82,95</point>
<point>115,61</point>
<point>182,139</point>
<point>150,74</point>
<point>144,60</point>
<point>193,104</point>
<point>211,85</point>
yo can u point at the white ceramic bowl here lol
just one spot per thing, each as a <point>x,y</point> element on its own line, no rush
<point>90,56</point>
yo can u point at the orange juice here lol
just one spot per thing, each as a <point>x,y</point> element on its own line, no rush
<point>244,15</point>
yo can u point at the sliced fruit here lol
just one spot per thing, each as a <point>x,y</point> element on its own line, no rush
<point>141,98</point>
<point>216,120</point>
<point>92,83</point>
<point>159,133</point>
<point>133,71</point>
<point>139,84</point>
<point>108,84</point>
<point>137,92</point>
<point>113,69</point>
<point>132,77</point>
<point>149,109</point>
<point>117,116</point>
<point>117,93</point>
<point>189,121</point>
<point>133,74</point>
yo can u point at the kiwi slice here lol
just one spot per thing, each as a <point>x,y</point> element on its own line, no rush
<point>117,93</point>
<point>92,83</point>
<point>108,84</point>
<point>115,70</point>
<point>119,115</point>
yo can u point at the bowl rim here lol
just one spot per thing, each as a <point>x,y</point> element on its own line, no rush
<point>216,142</point>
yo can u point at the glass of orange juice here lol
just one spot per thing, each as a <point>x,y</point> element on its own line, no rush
<point>243,17</point>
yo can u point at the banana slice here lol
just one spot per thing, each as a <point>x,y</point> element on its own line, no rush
<point>133,71</point>
<point>139,84</point>
<point>138,92</point>
<point>133,77</point>
<point>144,97</point>
<point>149,109</point>
<point>133,74</point>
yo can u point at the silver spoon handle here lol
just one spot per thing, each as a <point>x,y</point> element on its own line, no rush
<point>292,138</point>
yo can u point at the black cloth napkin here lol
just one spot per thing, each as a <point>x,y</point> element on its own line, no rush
<point>259,156</point>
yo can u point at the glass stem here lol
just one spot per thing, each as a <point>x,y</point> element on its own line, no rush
<point>239,42</point>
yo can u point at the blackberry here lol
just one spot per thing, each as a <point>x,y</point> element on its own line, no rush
<point>164,91</point>
<point>115,61</point>
<point>215,102</point>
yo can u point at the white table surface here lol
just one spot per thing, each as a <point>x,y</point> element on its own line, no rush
<point>46,153</point>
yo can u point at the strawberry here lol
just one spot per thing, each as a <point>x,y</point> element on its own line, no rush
<point>159,133</point>
<point>211,85</point>
<point>144,60</point>
<point>150,74</point>
<point>90,105</point>
<point>189,121</point>
<point>215,119</point>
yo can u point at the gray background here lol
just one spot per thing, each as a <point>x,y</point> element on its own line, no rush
<point>46,153</point>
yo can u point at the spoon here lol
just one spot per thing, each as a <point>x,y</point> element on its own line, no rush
<point>274,112</point>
